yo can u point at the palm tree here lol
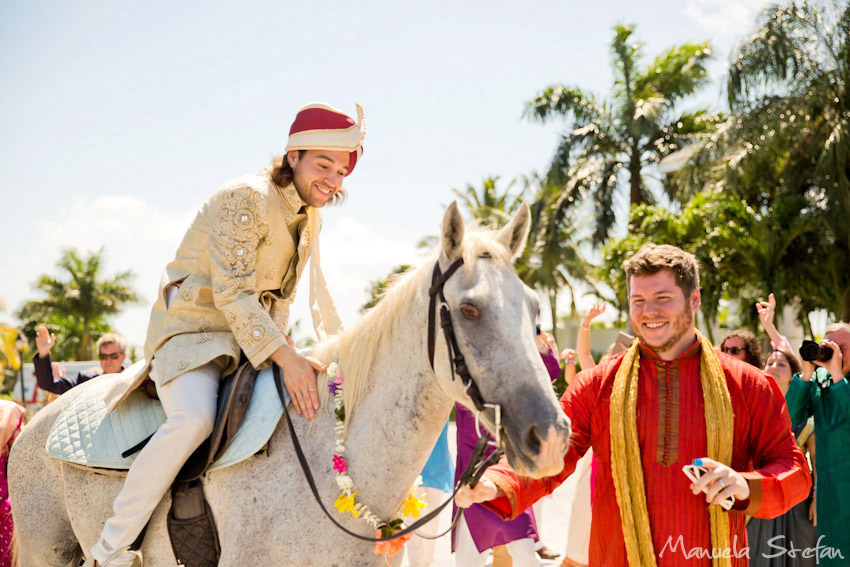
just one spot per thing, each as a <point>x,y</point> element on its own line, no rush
<point>791,76</point>
<point>788,142</point>
<point>491,206</point>
<point>742,253</point>
<point>488,204</point>
<point>77,305</point>
<point>611,144</point>
<point>552,259</point>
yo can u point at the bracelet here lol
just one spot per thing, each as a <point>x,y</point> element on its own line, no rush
<point>584,327</point>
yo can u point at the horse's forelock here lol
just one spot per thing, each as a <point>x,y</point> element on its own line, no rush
<point>481,242</point>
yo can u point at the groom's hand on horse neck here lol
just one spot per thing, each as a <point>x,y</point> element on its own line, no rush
<point>299,377</point>
<point>484,491</point>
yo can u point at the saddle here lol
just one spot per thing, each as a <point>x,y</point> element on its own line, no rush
<point>234,397</point>
<point>190,522</point>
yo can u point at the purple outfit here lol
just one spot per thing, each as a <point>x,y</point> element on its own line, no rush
<point>553,365</point>
<point>487,529</point>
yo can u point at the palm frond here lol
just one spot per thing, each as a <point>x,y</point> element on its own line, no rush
<point>677,73</point>
<point>780,57</point>
<point>563,101</point>
<point>626,53</point>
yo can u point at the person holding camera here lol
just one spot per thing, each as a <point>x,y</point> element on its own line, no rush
<point>822,390</point>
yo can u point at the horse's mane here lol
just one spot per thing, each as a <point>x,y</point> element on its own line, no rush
<point>355,349</point>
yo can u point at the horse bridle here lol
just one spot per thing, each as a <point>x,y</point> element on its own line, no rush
<point>456,360</point>
<point>477,463</point>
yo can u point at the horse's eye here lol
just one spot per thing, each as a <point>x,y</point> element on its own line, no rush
<point>469,311</point>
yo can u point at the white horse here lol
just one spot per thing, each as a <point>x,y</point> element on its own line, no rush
<point>396,406</point>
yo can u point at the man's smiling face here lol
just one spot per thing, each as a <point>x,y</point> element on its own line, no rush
<point>318,174</point>
<point>660,313</point>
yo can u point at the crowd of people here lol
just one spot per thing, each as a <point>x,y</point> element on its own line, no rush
<point>680,451</point>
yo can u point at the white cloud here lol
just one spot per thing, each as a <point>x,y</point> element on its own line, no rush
<point>728,19</point>
<point>135,234</point>
<point>353,255</point>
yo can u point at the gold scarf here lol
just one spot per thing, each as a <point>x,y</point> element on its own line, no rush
<point>626,466</point>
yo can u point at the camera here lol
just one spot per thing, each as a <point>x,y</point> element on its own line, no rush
<point>811,351</point>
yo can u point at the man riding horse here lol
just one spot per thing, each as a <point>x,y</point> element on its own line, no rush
<point>226,295</point>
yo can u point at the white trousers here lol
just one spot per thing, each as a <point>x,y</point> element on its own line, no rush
<point>538,518</point>
<point>467,555</point>
<point>189,402</point>
<point>420,551</point>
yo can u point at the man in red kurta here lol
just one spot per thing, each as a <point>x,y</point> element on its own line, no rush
<point>767,473</point>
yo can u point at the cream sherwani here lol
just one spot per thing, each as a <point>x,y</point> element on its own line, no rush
<point>237,270</point>
<point>228,289</point>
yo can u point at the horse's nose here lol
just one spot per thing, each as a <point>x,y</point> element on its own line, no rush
<point>532,440</point>
<point>549,446</point>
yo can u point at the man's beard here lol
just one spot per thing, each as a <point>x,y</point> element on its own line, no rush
<point>682,324</point>
<point>304,190</point>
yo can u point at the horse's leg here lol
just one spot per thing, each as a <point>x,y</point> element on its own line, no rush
<point>42,525</point>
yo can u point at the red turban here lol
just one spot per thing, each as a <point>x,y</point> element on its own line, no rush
<point>318,126</point>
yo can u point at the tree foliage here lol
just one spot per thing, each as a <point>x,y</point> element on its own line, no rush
<point>785,152</point>
<point>611,144</point>
<point>77,303</point>
<point>552,258</point>
<point>378,287</point>
<point>742,255</point>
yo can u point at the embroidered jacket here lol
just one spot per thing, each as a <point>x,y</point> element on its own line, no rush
<point>237,269</point>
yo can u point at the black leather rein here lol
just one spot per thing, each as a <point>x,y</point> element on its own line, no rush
<point>477,463</point>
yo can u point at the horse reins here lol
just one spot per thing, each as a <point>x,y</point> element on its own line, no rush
<point>477,464</point>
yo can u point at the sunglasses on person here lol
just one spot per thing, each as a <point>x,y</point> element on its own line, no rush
<point>113,356</point>
<point>733,350</point>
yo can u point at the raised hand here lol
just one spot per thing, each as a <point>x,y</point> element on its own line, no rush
<point>44,341</point>
<point>767,310</point>
<point>595,311</point>
<point>568,355</point>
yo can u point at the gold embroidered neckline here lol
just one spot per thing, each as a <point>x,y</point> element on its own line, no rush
<point>288,195</point>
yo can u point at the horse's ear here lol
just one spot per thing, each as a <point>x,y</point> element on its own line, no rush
<point>453,228</point>
<point>515,234</point>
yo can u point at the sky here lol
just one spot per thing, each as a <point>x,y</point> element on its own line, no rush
<point>121,119</point>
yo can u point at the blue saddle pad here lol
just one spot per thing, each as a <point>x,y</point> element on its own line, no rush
<point>85,434</point>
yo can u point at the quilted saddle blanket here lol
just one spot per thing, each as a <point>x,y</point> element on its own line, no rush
<point>85,434</point>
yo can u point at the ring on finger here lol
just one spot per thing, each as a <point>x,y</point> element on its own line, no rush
<point>720,481</point>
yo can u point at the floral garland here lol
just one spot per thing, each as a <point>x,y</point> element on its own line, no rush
<point>346,502</point>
